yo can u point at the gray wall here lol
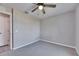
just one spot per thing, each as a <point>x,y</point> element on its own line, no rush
<point>5,9</point>
<point>59,29</point>
<point>77,30</point>
<point>26,29</point>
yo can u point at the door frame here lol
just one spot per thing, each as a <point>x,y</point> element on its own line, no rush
<point>11,27</point>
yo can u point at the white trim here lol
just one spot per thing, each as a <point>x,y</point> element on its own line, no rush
<point>25,44</point>
<point>57,43</point>
<point>11,32</point>
<point>77,51</point>
<point>8,13</point>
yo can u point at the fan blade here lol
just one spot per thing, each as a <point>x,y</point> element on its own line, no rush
<point>53,6</point>
<point>34,9</point>
<point>43,11</point>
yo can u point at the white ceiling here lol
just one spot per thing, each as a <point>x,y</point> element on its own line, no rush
<point>60,8</point>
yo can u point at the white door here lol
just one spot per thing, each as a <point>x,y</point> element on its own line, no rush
<point>4,29</point>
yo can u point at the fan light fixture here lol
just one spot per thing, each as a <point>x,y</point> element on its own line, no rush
<point>40,7</point>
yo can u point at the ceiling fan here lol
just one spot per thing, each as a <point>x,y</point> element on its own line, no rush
<point>41,6</point>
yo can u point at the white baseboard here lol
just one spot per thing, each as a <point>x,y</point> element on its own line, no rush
<point>77,51</point>
<point>57,43</point>
<point>26,44</point>
<point>45,41</point>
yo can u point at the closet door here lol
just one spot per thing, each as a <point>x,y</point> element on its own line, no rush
<point>4,29</point>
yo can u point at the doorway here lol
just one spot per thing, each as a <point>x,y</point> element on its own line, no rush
<point>4,32</point>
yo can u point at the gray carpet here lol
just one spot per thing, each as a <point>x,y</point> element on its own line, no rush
<point>42,48</point>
